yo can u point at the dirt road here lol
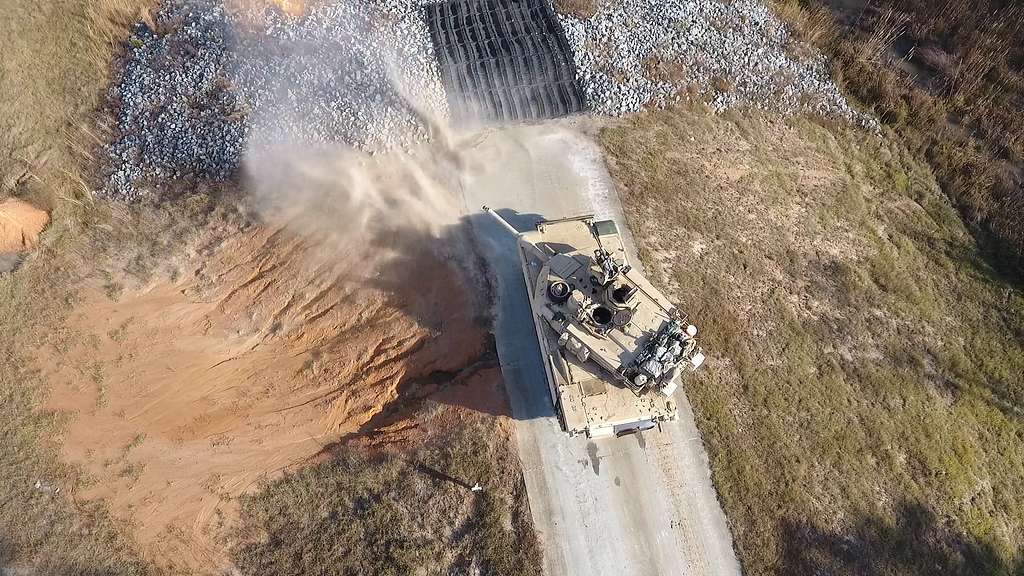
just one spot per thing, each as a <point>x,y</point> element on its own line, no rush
<point>639,505</point>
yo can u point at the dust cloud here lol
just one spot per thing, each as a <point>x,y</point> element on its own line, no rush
<point>350,200</point>
<point>393,190</point>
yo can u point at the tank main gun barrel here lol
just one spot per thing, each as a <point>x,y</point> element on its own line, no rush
<point>524,243</point>
<point>503,222</point>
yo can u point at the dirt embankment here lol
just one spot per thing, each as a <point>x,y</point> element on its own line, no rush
<point>183,394</point>
<point>20,225</point>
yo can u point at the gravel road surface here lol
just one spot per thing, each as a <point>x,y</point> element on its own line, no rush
<point>638,505</point>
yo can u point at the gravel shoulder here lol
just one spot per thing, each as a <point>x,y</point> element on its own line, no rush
<point>632,54</point>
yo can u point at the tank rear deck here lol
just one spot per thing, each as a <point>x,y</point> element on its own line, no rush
<point>592,405</point>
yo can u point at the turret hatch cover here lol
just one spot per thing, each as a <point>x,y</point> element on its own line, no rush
<point>605,228</point>
<point>592,387</point>
<point>564,265</point>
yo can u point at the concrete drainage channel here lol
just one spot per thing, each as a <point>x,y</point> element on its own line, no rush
<point>503,60</point>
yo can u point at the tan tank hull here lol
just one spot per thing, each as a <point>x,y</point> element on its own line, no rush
<point>595,331</point>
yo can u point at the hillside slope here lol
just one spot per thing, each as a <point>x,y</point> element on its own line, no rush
<point>863,399</point>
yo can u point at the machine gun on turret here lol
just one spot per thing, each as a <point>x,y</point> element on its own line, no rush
<point>613,344</point>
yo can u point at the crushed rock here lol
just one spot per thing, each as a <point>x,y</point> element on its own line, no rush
<point>201,89</point>
<point>194,94</point>
<point>636,53</point>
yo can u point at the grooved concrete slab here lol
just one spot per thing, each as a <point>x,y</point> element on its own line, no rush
<point>503,60</point>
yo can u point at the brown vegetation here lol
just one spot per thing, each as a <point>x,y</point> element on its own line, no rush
<point>57,61</point>
<point>948,78</point>
<point>581,9</point>
<point>721,84</point>
<point>407,511</point>
<point>661,69</point>
<point>863,398</point>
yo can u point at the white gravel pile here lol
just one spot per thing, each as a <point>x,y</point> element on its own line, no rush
<point>194,95</point>
<point>199,91</point>
<point>635,53</point>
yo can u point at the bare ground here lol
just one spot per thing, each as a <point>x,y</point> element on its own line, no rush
<point>183,393</point>
<point>20,225</point>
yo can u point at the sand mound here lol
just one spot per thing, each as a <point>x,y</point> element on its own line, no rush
<point>184,394</point>
<point>20,225</point>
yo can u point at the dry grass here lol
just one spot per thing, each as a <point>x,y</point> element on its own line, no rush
<point>863,403</point>
<point>57,61</point>
<point>661,69</point>
<point>398,513</point>
<point>887,28</point>
<point>962,114</point>
<point>581,9</point>
<point>722,85</point>
<point>815,22</point>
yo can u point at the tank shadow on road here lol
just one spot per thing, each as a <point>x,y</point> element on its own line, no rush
<point>470,267</point>
<point>514,329</point>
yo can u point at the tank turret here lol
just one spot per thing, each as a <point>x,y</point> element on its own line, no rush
<point>615,346</point>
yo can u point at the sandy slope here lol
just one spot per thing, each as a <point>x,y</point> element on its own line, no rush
<point>184,393</point>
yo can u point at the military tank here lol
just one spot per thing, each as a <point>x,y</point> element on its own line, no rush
<point>613,346</point>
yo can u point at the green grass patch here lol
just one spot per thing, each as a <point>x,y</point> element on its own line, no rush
<point>862,404</point>
<point>395,514</point>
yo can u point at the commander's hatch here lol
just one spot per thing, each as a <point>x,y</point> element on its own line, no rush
<point>606,228</point>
